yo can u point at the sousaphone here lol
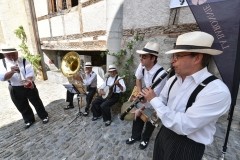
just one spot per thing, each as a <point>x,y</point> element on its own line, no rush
<point>70,67</point>
<point>70,64</point>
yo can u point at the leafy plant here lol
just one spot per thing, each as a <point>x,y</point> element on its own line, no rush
<point>124,61</point>
<point>34,59</point>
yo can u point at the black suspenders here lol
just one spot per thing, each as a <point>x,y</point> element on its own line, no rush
<point>194,94</point>
<point>155,75</point>
<point>4,64</point>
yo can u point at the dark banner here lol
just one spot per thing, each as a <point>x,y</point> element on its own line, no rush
<point>221,18</point>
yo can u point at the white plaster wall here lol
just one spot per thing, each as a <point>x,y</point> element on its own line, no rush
<point>41,7</point>
<point>142,13</point>
<point>72,24</point>
<point>43,28</point>
<point>12,15</point>
<point>186,16</point>
<point>57,26</point>
<point>94,17</point>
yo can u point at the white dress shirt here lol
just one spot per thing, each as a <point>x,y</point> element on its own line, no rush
<point>198,122</point>
<point>15,81</point>
<point>110,82</point>
<point>90,79</point>
<point>148,76</point>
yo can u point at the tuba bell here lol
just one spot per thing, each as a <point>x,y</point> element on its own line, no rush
<point>71,67</point>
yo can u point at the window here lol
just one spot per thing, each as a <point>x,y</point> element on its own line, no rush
<point>64,4</point>
<point>74,3</point>
<point>52,6</point>
<point>58,5</point>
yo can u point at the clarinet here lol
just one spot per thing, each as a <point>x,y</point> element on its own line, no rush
<point>141,97</point>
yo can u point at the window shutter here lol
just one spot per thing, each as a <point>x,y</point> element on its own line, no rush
<point>50,6</point>
<point>69,3</point>
<point>59,4</point>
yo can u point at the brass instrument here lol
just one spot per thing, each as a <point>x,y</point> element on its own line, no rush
<point>71,67</point>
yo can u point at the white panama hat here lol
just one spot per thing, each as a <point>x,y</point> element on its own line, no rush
<point>197,41</point>
<point>150,48</point>
<point>112,67</point>
<point>88,64</point>
<point>7,49</point>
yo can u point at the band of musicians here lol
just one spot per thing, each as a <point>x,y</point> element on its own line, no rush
<point>183,102</point>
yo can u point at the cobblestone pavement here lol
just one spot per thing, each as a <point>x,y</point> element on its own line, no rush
<point>83,139</point>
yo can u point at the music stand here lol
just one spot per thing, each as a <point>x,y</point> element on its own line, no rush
<point>80,91</point>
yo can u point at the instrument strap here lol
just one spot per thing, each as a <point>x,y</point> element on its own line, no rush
<point>194,94</point>
<point>115,84</point>
<point>155,75</point>
<point>4,64</point>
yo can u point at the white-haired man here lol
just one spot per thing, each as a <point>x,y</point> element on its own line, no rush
<point>21,91</point>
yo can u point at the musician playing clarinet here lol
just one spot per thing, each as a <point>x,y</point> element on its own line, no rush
<point>100,106</point>
<point>148,70</point>
<point>191,101</point>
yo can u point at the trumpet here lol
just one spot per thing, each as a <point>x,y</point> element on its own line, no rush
<point>141,97</point>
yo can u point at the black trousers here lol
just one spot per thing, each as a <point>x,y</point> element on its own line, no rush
<point>101,107</point>
<point>171,146</point>
<point>89,97</point>
<point>69,97</point>
<point>137,129</point>
<point>20,97</point>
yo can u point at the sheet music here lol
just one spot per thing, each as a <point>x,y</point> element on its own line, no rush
<point>70,88</point>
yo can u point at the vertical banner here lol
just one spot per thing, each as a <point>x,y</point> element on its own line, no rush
<point>221,18</point>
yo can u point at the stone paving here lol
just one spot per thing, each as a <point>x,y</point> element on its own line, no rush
<point>84,139</point>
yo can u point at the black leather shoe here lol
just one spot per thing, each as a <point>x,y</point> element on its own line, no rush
<point>143,144</point>
<point>108,123</point>
<point>45,120</point>
<point>96,118</point>
<point>28,124</point>
<point>68,107</point>
<point>131,141</point>
<point>85,114</point>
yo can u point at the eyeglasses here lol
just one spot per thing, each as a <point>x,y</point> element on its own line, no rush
<point>176,57</point>
<point>143,56</point>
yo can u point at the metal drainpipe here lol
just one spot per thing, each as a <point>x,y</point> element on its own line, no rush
<point>36,36</point>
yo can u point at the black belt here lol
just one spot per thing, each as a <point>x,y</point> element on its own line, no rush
<point>93,87</point>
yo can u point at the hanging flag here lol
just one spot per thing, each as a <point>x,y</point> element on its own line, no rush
<point>221,18</point>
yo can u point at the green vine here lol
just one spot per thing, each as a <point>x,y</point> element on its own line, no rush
<point>33,59</point>
<point>125,63</point>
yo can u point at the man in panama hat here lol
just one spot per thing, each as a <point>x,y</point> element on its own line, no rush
<point>148,71</point>
<point>100,106</point>
<point>191,101</point>
<point>20,76</point>
<point>90,81</point>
